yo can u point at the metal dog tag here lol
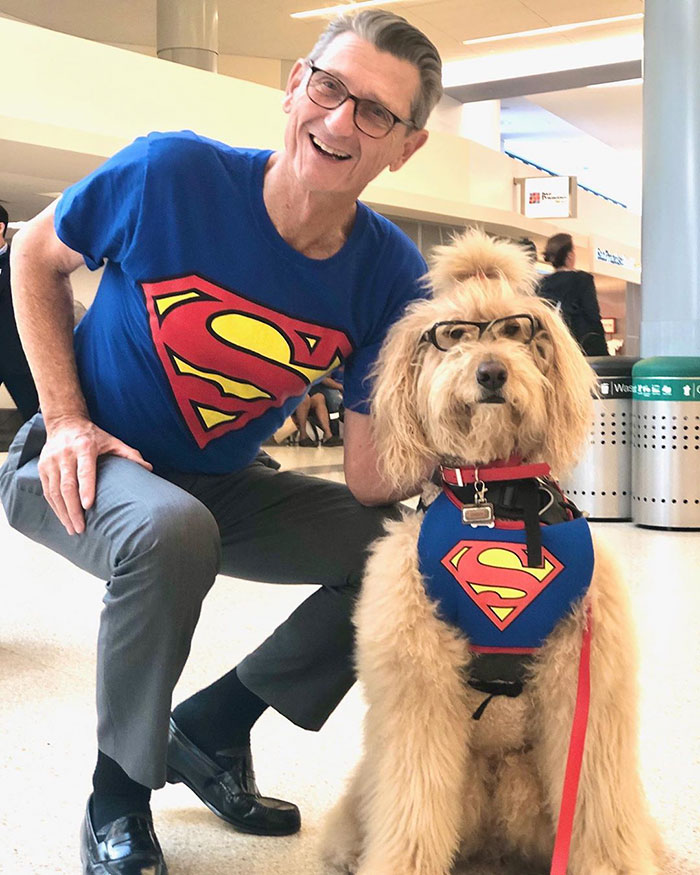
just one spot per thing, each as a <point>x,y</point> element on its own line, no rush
<point>478,514</point>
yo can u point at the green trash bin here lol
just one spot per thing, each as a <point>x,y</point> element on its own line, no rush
<point>666,442</point>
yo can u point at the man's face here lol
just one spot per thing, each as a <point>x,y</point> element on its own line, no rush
<point>358,158</point>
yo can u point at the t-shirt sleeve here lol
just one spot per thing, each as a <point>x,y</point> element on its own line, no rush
<point>408,286</point>
<point>97,216</point>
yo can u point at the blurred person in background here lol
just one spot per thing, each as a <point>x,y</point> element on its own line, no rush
<point>14,370</point>
<point>573,292</point>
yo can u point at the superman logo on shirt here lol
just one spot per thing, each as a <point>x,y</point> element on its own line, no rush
<point>496,576</point>
<point>229,360</point>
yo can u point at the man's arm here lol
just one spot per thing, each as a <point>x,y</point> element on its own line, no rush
<point>43,301</point>
<point>360,463</point>
<point>332,384</point>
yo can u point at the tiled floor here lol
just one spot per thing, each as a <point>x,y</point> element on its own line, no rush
<point>48,624</point>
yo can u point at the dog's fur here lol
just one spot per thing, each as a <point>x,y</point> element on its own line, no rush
<point>434,785</point>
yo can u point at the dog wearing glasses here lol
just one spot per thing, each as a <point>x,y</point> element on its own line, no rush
<point>470,702</point>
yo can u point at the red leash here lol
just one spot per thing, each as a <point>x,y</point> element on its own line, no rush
<point>562,843</point>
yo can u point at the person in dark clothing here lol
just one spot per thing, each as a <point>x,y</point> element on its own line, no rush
<point>331,387</point>
<point>573,291</point>
<point>14,370</point>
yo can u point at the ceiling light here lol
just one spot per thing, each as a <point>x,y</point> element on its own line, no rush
<point>341,7</point>
<point>559,28</point>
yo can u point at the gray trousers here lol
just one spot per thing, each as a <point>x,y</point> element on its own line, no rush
<point>159,542</point>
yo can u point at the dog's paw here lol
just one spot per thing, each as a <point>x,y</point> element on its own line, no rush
<point>341,859</point>
<point>341,840</point>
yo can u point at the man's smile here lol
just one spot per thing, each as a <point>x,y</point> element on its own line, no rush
<point>326,150</point>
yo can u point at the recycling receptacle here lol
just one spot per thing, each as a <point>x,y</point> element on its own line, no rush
<point>666,442</point>
<point>601,483</point>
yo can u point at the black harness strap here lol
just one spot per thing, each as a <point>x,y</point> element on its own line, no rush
<point>511,689</point>
<point>530,497</point>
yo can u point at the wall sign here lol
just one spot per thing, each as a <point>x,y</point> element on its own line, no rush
<point>548,197</point>
<point>616,258</point>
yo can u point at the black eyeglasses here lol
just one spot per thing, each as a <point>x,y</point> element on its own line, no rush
<point>370,117</point>
<point>520,328</point>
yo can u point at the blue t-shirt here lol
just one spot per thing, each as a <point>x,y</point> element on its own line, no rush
<point>482,583</point>
<point>207,327</point>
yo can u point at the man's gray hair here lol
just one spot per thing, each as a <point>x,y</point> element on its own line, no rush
<point>391,33</point>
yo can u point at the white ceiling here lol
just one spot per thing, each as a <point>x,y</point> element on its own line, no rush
<point>263,29</point>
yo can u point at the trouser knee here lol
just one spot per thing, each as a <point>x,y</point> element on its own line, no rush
<point>176,551</point>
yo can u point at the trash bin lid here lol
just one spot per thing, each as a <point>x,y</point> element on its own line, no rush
<point>612,365</point>
<point>668,366</point>
<point>667,378</point>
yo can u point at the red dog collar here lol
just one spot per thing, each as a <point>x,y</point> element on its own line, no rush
<point>505,469</point>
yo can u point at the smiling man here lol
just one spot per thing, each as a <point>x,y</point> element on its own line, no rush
<point>234,279</point>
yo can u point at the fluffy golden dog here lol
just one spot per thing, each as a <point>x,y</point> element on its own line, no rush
<point>434,784</point>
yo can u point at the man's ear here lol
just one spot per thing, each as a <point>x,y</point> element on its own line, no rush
<point>411,144</point>
<point>296,76</point>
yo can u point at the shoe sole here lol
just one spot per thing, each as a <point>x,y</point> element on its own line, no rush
<point>99,869</point>
<point>174,777</point>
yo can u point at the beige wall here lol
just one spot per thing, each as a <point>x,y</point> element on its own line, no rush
<point>101,97</point>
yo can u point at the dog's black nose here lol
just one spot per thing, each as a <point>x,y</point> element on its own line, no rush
<point>491,375</point>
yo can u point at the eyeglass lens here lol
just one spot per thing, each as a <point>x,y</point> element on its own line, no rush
<point>371,118</point>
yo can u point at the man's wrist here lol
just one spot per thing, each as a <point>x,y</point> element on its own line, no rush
<point>62,419</point>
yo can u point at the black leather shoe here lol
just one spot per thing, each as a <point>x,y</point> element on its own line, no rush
<point>231,794</point>
<point>130,847</point>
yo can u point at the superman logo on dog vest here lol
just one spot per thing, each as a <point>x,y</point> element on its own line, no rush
<point>495,575</point>
<point>228,360</point>
<point>481,581</point>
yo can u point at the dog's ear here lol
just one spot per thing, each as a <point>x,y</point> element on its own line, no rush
<point>402,447</point>
<point>543,350</point>
<point>570,384</point>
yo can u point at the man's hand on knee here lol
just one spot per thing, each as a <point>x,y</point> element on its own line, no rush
<point>68,467</point>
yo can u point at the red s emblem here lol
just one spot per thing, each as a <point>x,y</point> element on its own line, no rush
<point>229,360</point>
<point>495,575</point>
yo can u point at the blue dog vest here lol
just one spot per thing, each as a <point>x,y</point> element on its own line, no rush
<point>481,581</point>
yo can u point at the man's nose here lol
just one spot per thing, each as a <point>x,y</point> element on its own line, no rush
<point>341,120</point>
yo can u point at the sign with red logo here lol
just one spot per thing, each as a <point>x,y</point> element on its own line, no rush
<point>548,197</point>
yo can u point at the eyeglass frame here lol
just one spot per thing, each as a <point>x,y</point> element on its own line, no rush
<point>430,336</point>
<point>357,101</point>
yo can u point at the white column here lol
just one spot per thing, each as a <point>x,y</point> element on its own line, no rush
<point>671,190</point>
<point>188,32</point>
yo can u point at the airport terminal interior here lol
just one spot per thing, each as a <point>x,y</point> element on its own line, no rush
<point>539,132</point>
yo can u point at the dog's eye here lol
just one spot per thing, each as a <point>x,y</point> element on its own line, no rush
<point>448,335</point>
<point>513,328</point>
